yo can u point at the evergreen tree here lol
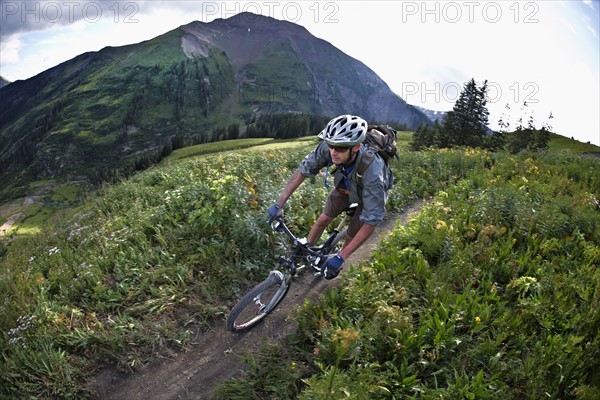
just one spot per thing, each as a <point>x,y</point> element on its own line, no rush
<point>466,124</point>
<point>523,136</point>
<point>233,131</point>
<point>528,138</point>
<point>543,135</point>
<point>541,139</point>
<point>497,140</point>
<point>425,136</point>
<point>177,142</point>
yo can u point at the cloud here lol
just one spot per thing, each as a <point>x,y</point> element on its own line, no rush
<point>27,16</point>
<point>9,48</point>
<point>568,25</point>
<point>37,35</point>
<point>589,3</point>
<point>424,55</point>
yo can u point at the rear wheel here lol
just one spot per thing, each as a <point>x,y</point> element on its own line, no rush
<point>258,302</point>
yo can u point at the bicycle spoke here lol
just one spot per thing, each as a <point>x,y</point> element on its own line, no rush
<point>258,302</point>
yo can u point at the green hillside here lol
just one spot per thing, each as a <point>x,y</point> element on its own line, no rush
<point>100,111</point>
<point>560,144</point>
<point>104,115</point>
<point>491,293</point>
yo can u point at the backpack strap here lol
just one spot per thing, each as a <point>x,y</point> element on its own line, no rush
<point>366,159</point>
<point>325,184</point>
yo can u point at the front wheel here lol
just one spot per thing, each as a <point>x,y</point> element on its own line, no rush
<point>332,246</point>
<point>336,246</point>
<point>258,302</point>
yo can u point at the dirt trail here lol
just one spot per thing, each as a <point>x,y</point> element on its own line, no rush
<point>216,356</point>
<point>16,211</point>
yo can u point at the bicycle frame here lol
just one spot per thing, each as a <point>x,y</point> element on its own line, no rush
<point>313,254</point>
<point>264,297</point>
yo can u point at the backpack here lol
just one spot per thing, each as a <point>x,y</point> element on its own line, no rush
<point>381,139</point>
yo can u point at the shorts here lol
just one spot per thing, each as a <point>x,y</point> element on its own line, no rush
<point>336,203</point>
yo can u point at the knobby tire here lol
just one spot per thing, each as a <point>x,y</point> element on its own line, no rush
<point>246,313</point>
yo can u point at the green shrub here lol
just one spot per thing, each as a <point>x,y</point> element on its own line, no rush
<point>492,291</point>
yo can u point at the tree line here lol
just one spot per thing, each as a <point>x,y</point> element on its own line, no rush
<point>285,125</point>
<point>467,125</point>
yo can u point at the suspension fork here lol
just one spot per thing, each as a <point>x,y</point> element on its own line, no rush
<point>336,231</point>
<point>289,262</point>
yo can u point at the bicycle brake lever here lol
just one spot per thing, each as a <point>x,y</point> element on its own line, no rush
<point>316,265</point>
<point>275,225</point>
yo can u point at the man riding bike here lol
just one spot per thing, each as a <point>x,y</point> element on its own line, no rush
<point>361,176</point>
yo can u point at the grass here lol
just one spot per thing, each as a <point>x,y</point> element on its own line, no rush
<point>403,139</point>
<point>66,194</point>
<point>270,79</point>
<point>211,148</point>
<point>491,292</point>
<point>560,143</point>
<point>49,200</point>
<point>123,276</point>
<point>120,278</point>
<point>34,218</point>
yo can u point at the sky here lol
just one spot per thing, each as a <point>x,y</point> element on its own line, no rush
<point>540,58</point>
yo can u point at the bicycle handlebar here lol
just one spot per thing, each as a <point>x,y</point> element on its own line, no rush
<point>278,225</point>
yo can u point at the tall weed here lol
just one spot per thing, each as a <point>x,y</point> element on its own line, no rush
<point>491,292</point>
<point>141,261</point>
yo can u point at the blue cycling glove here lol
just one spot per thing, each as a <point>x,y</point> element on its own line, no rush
<point>274,211</point>
<point>332,266</point>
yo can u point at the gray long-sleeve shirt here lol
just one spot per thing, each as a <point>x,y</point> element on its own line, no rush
<point>371,193</point>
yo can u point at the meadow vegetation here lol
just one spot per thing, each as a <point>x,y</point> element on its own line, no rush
<point>491,291</point>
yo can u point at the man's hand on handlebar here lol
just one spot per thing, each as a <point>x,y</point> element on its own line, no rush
<point>332,266</point>
<point>274,211</point>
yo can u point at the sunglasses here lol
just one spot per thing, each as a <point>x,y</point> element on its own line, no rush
<point>339,149</point>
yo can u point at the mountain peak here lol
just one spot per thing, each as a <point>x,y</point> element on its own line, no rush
<point>102,112</point>
<point>248,21</point>
<point>249,17</point>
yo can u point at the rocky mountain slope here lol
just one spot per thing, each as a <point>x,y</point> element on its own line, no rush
<point>433,115</point>
<point>101,112</point>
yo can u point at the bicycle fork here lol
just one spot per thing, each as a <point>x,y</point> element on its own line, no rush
<point>266,308</point>
<point>336,232</point>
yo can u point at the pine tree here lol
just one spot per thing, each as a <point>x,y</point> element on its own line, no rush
<point>497,140</point>
<point>528,138</point>
<point>523,136</point>
<point>466,124</point>
<point>543,135</point>
<point>425,136</point>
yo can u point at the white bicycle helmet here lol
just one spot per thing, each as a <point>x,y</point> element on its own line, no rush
<point>345,130</point>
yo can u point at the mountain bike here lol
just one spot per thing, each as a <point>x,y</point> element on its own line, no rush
<point>266,296</point>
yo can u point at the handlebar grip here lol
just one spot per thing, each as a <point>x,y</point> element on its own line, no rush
<point>276,225</point>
